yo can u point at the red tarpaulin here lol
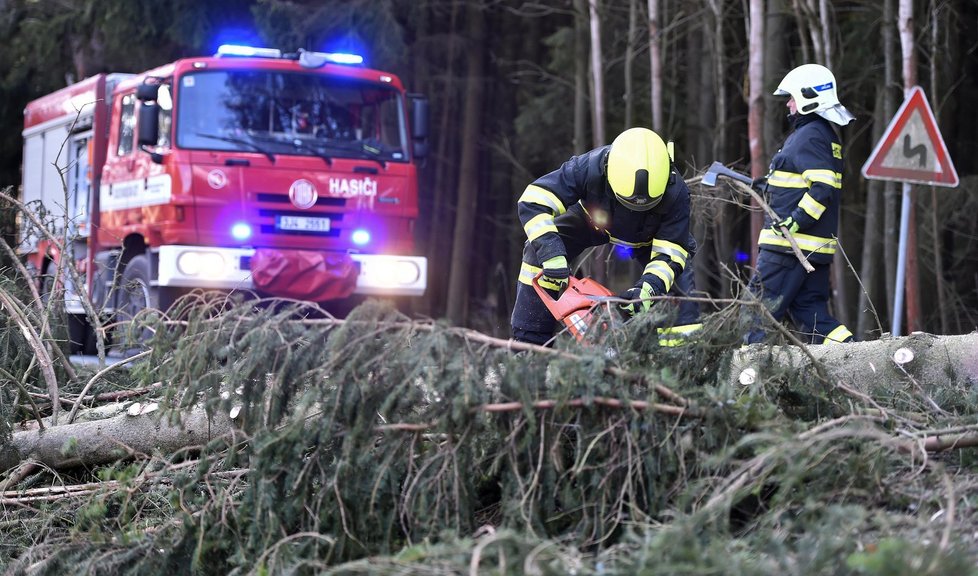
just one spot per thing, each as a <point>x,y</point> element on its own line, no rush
<point>304,275</point>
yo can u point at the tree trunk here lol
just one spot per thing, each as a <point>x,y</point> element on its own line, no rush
<point>433,226</point>
<point>935,96</point>
<point>932,362</point>
<point>581,20</point>
<point>867,321</point>
<point>755,105</point>
<point>909,60</point>
<point>597,75</point>
<point>891,225</point>
<point>629,96</point>
<point>468,186</point>
<point>112,439</point>
<point>755,97</point>
<point>655,65</point>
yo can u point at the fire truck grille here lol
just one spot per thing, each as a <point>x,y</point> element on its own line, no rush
<point>268,198</point>
<point>271,229</point>
<point>275,206</point>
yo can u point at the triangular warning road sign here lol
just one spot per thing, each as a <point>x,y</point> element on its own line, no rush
<point>912,149</point>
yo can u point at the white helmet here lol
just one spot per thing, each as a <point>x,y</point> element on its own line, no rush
<point>814,90</point>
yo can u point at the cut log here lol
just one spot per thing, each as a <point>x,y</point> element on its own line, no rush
<point>925,360</point>
<point>140,430</point>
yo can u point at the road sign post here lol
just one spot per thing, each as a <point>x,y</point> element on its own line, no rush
<point>910,151</point>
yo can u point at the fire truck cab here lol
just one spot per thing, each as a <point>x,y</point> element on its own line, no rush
<point>286,174</point>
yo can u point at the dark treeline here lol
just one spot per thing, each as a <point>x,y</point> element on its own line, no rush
<point>512,91</point>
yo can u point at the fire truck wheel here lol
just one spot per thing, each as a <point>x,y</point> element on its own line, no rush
<point>135,295</point>
<point>81,336</point>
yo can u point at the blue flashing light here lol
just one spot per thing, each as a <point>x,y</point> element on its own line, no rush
<point>741,257</point>
<point>241,231</point>
<point>242,50</point>
<point>622,252</point>
<point>344,58</point>
<point>361,237</point>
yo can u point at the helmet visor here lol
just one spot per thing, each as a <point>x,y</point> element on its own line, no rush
<point>637,196</point>
<point>641,203</point>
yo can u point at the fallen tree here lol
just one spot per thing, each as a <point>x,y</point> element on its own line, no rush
<point>371,436</point>
<point>931,363</point>
<point>141,431</point>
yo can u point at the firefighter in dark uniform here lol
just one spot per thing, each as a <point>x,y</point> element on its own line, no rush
<point>628,194</point>
<point>803,186</point>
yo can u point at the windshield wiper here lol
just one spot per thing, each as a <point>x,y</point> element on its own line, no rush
<point>243,141</point>
<point>374,154</point>
<point>357,147</point>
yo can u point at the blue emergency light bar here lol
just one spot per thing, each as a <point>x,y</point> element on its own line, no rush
<point>341,58</point>
<point>246,51</point>
<point>307,59</point>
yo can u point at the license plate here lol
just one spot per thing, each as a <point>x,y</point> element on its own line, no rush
<point>302,223</point>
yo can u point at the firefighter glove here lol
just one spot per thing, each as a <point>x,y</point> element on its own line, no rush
<point>555,274</point>
<point>639,299</point>
<point>788,223</point>
<point>759,183</point>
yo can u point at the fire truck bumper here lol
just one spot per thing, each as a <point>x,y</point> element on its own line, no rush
<point>231,268</point>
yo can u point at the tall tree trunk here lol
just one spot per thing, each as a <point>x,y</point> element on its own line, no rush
<point>755,97</point>
<point>468,185</point>
<point>599,264</point>
<point>935,27</point>
<point>655,65</point>
<point>444,180</point>
<point>630,61</point>
<point>581,99</point>
<point>872,241</point>
<point>701,127</point>
<point>755,104</point>
<point>891,222</point>
<point>777,58</point>
<point>597,75</point>
<point>909,59</point>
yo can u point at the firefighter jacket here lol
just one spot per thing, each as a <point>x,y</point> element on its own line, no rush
<point>662,232</point>
<point>805,182</point>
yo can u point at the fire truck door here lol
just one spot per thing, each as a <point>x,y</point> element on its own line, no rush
<point>79,184</point>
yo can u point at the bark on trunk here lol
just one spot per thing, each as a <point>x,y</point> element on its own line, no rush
<point>655,65</point>
<point>630,60</point>
<point>112,439</point>
<point>920,360</point>
<point>580,76</point>
<point>468,185</point>
<point>909,59</point>
<point>597,73</point>
<point>891,229</point>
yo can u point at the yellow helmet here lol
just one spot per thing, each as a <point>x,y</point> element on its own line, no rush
<point>638,168</point>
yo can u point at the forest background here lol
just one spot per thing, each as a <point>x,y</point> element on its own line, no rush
<point>517,87</point>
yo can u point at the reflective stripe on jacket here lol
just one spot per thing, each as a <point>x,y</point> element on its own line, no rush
<point>805,182</point>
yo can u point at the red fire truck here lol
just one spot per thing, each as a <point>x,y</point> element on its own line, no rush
<point>288,174</point>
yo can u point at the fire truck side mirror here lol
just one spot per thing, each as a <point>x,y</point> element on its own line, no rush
<point>148,129</point>
<point>149,124</point>
<point>147,92</point>
<point>419,124</point>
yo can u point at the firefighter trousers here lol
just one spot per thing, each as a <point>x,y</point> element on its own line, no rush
<point>787,289</point>
<point>532,321</point>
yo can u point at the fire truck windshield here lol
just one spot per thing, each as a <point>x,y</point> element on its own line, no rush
<point>290,113</point>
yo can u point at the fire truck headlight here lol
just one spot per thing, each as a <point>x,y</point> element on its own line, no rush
<point>404,272</point>
<point>361,237</point>
<point>201,264</point>
<point>241,231</point>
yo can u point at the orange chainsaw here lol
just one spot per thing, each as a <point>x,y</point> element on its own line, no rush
<point>575,307</point>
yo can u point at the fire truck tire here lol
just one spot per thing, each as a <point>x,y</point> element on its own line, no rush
<point>81,336</point>
<point>135,295</point>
